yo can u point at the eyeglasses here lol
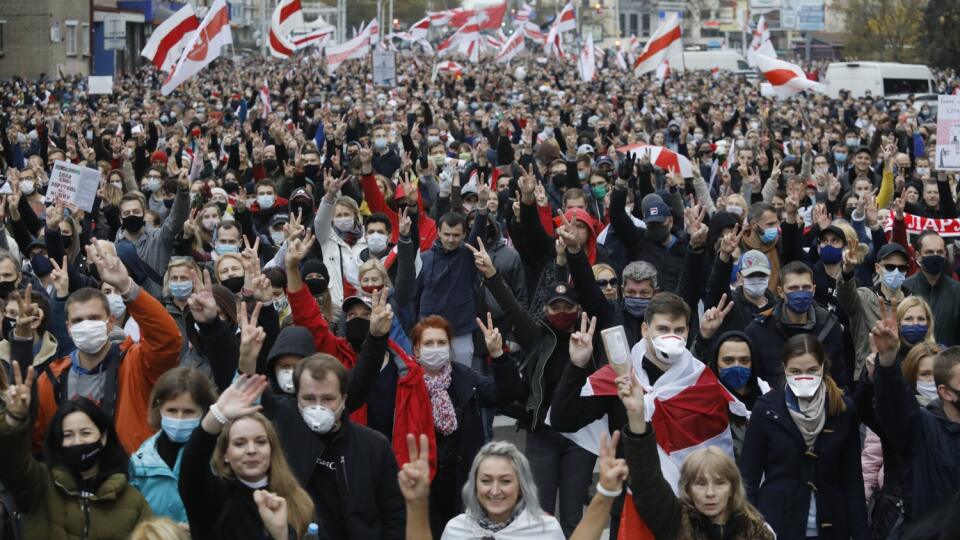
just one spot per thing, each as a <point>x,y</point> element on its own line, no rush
<point>604,283</point>
<point>891,267</point>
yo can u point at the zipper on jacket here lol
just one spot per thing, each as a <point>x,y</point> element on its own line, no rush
<point>85,507</point>
<point>343,469</point>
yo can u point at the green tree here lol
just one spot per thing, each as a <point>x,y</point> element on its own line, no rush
<point>941,39</point>
<point>888,30</point>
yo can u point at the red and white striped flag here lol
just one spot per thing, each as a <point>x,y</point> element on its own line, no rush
<point>532,31</point>
<point>512,47</point>
<point>522,15</point>
<point>168,40</point>
<point>666,39</point>
<point>663,70</point>
<point>204,47</point>
<point>265,97</point>
<point>285,16</point>
<point>420,28</point>
<point>554,44</point>
<point>567,19</point>
<point>760,44</point>
<point>786,79</point>
<point>587,60</point>
<point>357,47</point>
<point>689,410</point>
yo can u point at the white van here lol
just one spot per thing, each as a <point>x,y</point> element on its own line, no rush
<point>725,59</point>
<point>879,78</point>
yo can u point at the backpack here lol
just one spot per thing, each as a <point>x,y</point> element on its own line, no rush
<point>109,401</point>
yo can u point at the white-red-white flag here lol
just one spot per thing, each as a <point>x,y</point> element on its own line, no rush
<point>523,15</point>
<point>265,97</point>
<point>420,29</point>
<point>448,66</point>
<point>512,47</point>
<point>532,31</point>
<point>488,18</point>
<point>760,44</point>
<point>567,19</point>
<point>166,44</point>
<point>284,17</point>
<point>665,40</point>
<point>553,45</point>
<point>373,31</point>
<point>587,61</point>
<point>663,70</point>
<point>204,47</point>
<point>786,79</point>
<point>357,47</point>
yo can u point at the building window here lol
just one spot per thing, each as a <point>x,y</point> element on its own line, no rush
<point>633,24</point>
<point>70,37</point>
<point>646,24</point>
<point>85,39</point>
<point>3,29</point>
<point>623,24</point>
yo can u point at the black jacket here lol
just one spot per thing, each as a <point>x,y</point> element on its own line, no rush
<point>780,474</point>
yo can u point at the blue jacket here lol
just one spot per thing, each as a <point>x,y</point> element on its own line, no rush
<point>928,440</point>
<point>446,282</point>
<point>158,484</point>
<point>779,473</point>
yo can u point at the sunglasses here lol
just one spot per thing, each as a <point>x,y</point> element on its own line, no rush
<point>604,283</point>
<point>891,267</point>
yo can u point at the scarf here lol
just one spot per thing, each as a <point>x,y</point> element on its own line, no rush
<point>444,416</point>
<point>350,237</point>
<point>752,241</point>
<point>489,525</point>
<point>809,414</point>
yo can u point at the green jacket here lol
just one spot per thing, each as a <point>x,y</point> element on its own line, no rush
<point>53,506</point>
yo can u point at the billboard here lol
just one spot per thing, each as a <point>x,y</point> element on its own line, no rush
<point>804,15</point>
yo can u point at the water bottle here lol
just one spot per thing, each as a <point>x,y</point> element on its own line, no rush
<point>313,532</point>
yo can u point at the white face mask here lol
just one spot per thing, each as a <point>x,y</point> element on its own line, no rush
<point>89,336</point>
<point>669,347</point>
<point>434,358</point>
<point>210,223</point>
<point>265,201</point>
<point>804,386</point>
<point>319,418</point>
<point>755,286</point>
<point>343,224</point>
<point>27,187</point>
<point>276,237</point>
<point>377,242</point>
<point>927,389</point>
<point>285,380</point>
<point>117,308</point>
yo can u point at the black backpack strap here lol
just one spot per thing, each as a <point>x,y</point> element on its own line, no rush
<point>109,401</point>
<point>59,383</point>
<point>825,331</point>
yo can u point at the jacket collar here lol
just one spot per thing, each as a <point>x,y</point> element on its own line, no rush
<point>109,490</point>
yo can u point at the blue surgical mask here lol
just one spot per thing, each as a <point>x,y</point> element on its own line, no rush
<point>799,302</point>
<point>178,430</point>
<point>831,254</point>
<point>853,143</point>
<point>635,306</point>
<point>225,248</point>
<point>266,201</point>
<point>894,279</point>
<point>840,156</point>
<point>913,333</point>
<point>180,289</point>
<point>769,235</point>
<point>735,376</point>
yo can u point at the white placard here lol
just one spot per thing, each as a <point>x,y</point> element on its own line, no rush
<point>100,84</point>
<point>73,184</point>
<point>948,133</point>
<point>384,68</point>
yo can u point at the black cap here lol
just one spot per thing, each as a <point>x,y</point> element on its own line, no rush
<point>562,291</point>
<point>351,301</point>
<point>863,149</point>
<point>833,229</point>
<point>890,249</point>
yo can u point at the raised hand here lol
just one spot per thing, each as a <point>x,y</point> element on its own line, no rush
<point>30,314</point>
<point>482,260</point>
<point>273,512</point>
<point>899,204</point>
<point>18,396</point>
<point>60,277</point>
<point>885,336</point>
<point>713,318</point>
<point>297,249</point>
<point>630,393</point>
<point>696,228</point>
<point>111,269</point>
<point>332,184</point>
<point>491,336</point>
<point>613,470</point>
<point>403,227</point>
<point>731,240</point>
<point>239,398</point>
<point>381,315</point>
<point>527,184</point>
<point>414,476</point>
<point>540,195</point>
<point>251,337</point>
<point>567,234</point>
<point>294,228</point>
<point>202,304</point>
<point>581,342</point>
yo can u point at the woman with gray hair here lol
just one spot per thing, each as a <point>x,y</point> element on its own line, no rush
<point>500,497</point>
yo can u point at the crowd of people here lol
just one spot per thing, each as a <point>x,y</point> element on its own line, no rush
<point>298,317</point>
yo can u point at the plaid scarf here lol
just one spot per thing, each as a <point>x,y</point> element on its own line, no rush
<point>488,525</point>
<point>444,416</point>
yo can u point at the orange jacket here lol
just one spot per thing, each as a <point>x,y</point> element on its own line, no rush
<point>144,362</point>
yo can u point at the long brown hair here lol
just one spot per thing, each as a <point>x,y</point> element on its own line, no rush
<point>713,461</point>
<point>281,479</point>
<point>802,344</point>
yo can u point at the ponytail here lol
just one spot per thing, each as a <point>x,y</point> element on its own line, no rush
<point>835,404</point>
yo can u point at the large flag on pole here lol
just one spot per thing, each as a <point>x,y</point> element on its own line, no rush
<point>786,79</point>
<point>512,47</point>
<point>760,44</point>
<point>205,46</point>
<point>523,15</point>
<point>588,60</point>
<point>567,19</point>
<point>666,39</point>
<point>357,47</point>
<point>168,40</point>
<point>281,23</point>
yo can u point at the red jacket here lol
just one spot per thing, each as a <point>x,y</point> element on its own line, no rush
<point>413,412</point>
<point>377,203</point>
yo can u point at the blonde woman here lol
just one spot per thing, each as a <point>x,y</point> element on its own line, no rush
<point>199,231</point>
<point>159,528</point>
<point>234,480</point>
<point>606,278</point>
<point>915,320</point>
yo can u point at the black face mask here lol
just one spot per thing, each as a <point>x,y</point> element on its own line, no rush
<point>223,207</point>
<point>132,223</point>
<point>356,330</point>
<point>559,179</point>
<point>231,187</point>
<point>168,203</point>
<point>311,171</point>
<point>7,287</point>
<point>317,286</point>
<point>235,284</point>
<point>9,323</point>
<point>81,457</point>
<point>657,232</point>
<point>270,164</point>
